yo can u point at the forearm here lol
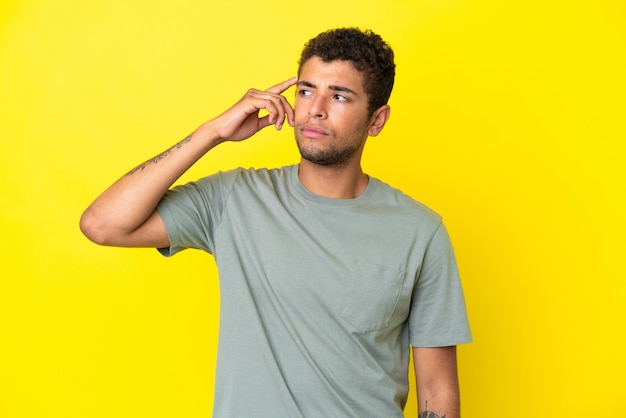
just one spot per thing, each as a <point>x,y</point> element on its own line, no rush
<point>129,202</point>
<point>437,382</point>
<point>444,401</point>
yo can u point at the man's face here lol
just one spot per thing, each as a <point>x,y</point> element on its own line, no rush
<point>331,111</point>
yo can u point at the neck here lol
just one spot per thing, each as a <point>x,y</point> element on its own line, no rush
<point>344,182</point>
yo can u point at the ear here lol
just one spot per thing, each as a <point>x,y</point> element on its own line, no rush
<point>379,119</point>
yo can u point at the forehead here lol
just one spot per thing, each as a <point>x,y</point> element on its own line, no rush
<point>337,73</point>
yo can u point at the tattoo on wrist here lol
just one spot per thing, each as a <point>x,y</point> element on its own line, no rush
<point>429,414</point>
<point>159,157</point>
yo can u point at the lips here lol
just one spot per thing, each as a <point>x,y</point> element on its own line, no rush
<point>313,131</point>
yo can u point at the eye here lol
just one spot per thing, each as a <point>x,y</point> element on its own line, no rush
<point>303,92</point>
<point>340,98</point>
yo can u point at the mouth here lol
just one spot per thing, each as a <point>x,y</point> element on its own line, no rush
<point>313,131</point>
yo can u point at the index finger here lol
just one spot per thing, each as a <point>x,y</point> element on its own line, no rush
<point>281,87</point>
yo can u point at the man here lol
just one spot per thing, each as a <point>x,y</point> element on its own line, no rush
<point>327,276</point>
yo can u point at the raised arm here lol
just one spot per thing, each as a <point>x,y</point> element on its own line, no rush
<point>125,214</point>
<point>437,382</point>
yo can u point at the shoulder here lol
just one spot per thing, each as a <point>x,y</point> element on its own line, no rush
<point>400,202</point>
<point>255,181</point>
<point>247,175</point>
<point>252,173</point>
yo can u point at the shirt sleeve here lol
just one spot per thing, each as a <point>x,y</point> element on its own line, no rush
<point>192,212</point>
<point>438,314</point>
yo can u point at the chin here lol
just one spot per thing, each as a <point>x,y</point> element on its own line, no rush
<point>327,158</point>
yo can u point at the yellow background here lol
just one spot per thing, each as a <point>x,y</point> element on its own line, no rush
<point>507,118</point>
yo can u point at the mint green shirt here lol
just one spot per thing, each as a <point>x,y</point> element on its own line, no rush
<point>320,298</point>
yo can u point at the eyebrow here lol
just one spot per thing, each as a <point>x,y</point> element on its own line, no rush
<point>332,87</point>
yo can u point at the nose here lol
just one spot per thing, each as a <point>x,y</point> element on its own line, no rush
<point>318,108</point>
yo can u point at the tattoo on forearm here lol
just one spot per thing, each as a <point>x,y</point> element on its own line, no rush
<point>159,157</point>
<point>429,414</point>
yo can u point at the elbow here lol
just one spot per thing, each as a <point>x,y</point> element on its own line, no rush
<point>93,228</point>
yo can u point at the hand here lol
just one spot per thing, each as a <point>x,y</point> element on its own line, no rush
<point>242,120</point>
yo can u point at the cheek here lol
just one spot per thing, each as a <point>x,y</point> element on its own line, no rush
<point>300,110</point>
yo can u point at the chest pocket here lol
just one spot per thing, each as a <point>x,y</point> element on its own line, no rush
<point>375,297</point>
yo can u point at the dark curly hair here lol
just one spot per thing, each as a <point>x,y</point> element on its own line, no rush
<point>367,51</point>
